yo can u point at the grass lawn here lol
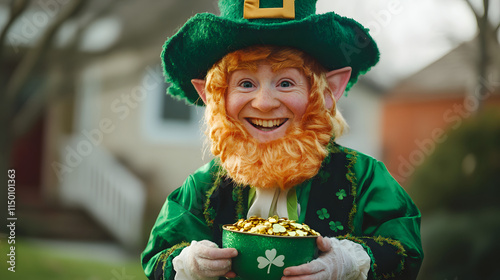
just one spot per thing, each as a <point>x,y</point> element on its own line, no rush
<point>35,262</point>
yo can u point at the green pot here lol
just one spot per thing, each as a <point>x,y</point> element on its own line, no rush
<point>266,256</point>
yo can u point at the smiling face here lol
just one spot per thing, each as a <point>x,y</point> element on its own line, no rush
<point>267,102</point>
<point>270,109</point>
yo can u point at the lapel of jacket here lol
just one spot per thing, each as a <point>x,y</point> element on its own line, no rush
<point>331,207</point>
<point>229,203</point>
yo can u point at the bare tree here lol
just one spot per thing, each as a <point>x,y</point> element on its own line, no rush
<point>488,42</point>
<point>16,118</point>
<point>16,9</point>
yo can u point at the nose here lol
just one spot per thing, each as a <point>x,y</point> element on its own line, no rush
<point>265,100</point>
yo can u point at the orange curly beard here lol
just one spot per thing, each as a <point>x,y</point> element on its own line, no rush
<point>281,163</point>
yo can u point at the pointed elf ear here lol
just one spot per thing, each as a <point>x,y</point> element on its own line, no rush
<point>337,81</point>
<point>199,85</point>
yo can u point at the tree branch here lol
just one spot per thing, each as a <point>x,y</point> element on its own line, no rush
<point>476,13</point>
<point>33,57</point>
<point>486,7</point>
<point>17,7</point>
<point>34,106</point>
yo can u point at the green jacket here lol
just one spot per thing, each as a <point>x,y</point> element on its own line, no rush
<point>353,197</point>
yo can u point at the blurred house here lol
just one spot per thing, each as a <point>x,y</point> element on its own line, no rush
<point>362,110</point>
<point>421,108</point>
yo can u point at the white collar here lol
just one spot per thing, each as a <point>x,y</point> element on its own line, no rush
<point>269,202</point>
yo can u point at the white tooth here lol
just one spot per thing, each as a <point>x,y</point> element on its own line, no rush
<point>266,123</point>
<point>260,123</point>
<point>275,123</point>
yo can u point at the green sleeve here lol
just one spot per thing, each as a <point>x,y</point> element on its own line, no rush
<point>386,223</point>
<point>179,222</point>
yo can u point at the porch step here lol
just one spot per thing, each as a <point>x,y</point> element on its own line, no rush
<point>39,219</point>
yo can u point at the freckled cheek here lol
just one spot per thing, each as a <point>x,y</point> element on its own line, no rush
<point>298,107</point>
<point>234,106</point>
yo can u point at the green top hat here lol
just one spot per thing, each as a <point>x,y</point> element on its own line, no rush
<point>335,41</point>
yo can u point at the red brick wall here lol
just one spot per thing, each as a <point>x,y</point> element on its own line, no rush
<point>412,128</point>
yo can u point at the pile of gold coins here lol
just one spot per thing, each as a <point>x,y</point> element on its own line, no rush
<point>272,226</point>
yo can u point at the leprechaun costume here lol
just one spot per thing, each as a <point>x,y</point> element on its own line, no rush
<point>352,197</point>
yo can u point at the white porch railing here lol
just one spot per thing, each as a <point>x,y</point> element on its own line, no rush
<point>103,187</point>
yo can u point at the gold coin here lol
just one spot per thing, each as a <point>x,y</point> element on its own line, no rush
<point>301,233</point>
<point>278,228</point>
<point>272,226</point>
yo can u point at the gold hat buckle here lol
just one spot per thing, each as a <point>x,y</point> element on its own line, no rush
<point>252,10</point>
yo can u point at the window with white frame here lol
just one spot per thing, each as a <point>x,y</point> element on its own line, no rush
<point>169,120</point>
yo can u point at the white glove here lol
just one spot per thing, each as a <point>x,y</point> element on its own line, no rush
<point>339,260</point>
<point>203,260</point>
